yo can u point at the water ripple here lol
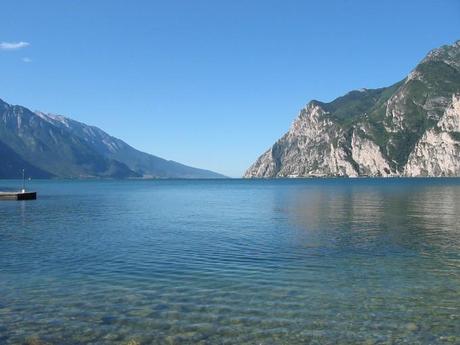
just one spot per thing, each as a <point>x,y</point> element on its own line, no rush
<point>232,262</point>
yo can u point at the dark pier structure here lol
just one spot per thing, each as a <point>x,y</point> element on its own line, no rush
<point>18,195</point>
<point>21,195</point>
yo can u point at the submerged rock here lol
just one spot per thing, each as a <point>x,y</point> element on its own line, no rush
<point>35,341</point>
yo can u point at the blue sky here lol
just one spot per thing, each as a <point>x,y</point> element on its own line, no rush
<point>210,83</point>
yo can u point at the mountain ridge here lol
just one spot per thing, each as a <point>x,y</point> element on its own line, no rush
<point>60,147</point>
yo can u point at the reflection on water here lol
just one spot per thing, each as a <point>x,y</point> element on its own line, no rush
<point>232,262</point>
<point>379,217</point>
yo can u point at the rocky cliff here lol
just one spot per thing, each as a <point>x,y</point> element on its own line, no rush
<point>441,145</point>
<point>411,128</point>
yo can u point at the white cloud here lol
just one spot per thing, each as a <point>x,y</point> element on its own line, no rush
<point>13,45</point>
<point>26,59</point>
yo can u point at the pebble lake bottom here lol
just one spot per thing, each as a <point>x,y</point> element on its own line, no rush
<point>313,261</point>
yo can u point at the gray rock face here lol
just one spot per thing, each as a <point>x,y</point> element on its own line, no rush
<point>314,146</point>
<point>441,144</point>
<point>411,128</point>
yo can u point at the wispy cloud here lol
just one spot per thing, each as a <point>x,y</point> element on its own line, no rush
<point>26,59</point>
<point>13,45</point>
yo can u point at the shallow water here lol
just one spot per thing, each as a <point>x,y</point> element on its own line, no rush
<point>318,261</point>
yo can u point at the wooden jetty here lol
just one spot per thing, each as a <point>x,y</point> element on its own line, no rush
<point>21,195</point>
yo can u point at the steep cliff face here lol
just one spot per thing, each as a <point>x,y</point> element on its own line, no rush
<point>441,144</point>
<point>407,129</point>
<point>317,146</point>
<point>313,146</point>
<point>368,157</point>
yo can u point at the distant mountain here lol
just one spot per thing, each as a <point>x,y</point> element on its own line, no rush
<point>411,128</point>
<point>55,146</point>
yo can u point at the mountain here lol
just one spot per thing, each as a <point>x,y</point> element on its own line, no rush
<point>411,128</point>
<point>48,145</point>
<point>12,165</point>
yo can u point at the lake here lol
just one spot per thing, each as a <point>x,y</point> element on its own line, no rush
<point>313,261</point>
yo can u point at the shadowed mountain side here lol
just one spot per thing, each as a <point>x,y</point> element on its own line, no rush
<point>142,163</point>
<point>12,164</point>
<point>60,147</point>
